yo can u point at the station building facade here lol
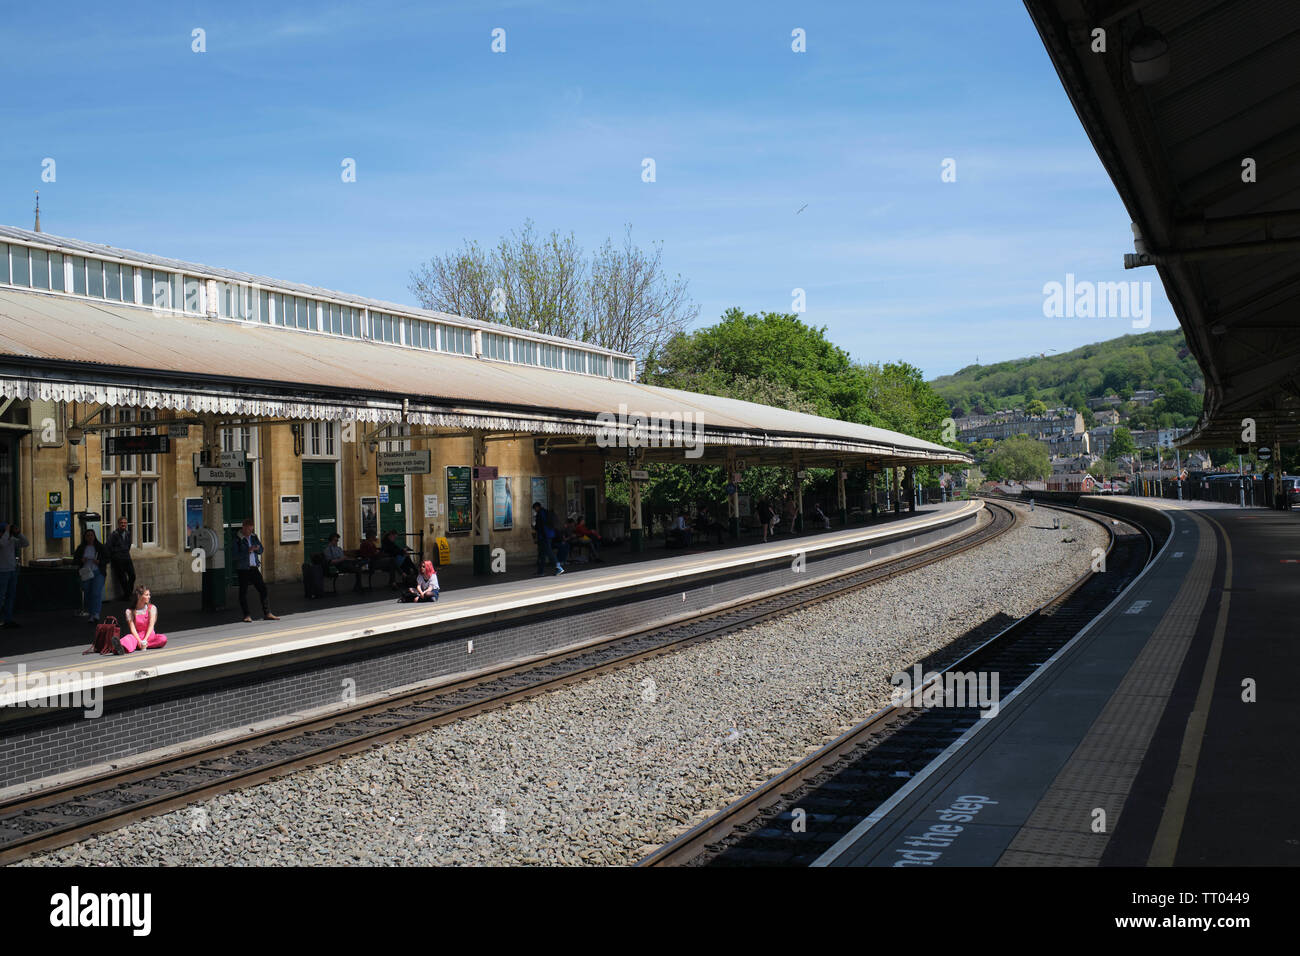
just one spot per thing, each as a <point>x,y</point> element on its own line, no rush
<point>125,377</point>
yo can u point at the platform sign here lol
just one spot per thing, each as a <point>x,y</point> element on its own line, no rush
<point>639,474</point>
<point>222,476</point>
<point>119,445</point>
<point>178,430</point>
<point>460,500</point>
<point>403,462</point>
<point>232,459</point>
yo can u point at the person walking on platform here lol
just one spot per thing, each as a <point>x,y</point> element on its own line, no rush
<point>11,542</point>
<point>119,556</point>
<point>248,568</point>
<point>91,559</point>
<point>544,530</point>
<point>765,517</point>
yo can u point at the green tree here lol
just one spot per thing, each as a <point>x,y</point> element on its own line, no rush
<point>770,347</point>
<point>1036,408</point>
<point>1020,459</point>
<point>1121,443</point>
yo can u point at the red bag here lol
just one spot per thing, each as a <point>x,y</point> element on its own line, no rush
<point>107,634</point>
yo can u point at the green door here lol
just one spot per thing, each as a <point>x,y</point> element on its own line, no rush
<point>236,505</point>
<point>392,513</point>
<point>319,506</point>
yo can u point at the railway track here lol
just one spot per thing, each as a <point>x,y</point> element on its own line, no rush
<point>61,815</point>
<point>796,816</point>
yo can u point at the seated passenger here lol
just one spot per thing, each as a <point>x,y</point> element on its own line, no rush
<point>819,515</point>
<point>426,586</point>
<point>336,562</point>
<point>369,551</point>
<point>679,533</point>
<point>142,621</point>
<point>589,537</point>
<point>705,525</point>
<point>398,554</point>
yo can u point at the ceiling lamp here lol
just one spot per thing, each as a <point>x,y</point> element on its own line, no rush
<point>1148,55</point>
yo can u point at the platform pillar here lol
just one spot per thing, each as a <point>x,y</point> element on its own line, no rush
<point>871,485</point>
<point>843,498</point>
<point>213,577</point>
<point>798,496</point>
<point>898,502</point>
<point>733,499</point>
<point>636,535</point>
<point>482,509</point>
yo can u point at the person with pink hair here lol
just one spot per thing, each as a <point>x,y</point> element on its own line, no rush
<point>426,585</point>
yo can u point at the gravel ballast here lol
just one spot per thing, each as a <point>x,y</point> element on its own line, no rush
<point>603,771</point>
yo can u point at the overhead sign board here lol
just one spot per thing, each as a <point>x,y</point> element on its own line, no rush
<point>403,462</point>
<point>222,476</point>
<point>485,472</point>
<point>232,459</point>
<point>176,430</point>
<point>137,445</point>
<point>639,475</point>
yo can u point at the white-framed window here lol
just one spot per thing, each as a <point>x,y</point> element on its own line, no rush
<point>321,440</point>
<point>239,438</point>
<point>129,483</point>
<point>401,443</point>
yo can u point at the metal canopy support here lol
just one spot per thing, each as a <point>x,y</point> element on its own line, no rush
<point>733,499</point>
<point>843,499</point>
<point>798,495</point>
<point>636,537</point>
<point>482,509</point>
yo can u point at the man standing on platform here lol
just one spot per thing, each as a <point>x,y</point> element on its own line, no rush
<point>248,568</point>
<point>12,541</point>
<point>119,556</point>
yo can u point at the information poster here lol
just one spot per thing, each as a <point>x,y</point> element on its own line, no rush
<point>743,502</point>
<point>503,504</point>
<point>193,519</point>
<point>290,519</point>
<point>431,506</point>
<point>572,495</point>
<point>540,492</point>
<point>460,500</point>
<point>369,517</point>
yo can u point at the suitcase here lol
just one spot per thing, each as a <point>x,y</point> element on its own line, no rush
<point>313,580</point>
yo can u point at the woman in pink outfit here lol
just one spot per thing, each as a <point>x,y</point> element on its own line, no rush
<point>141,619</point>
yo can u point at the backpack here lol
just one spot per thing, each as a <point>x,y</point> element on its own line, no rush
<point>106,634</point>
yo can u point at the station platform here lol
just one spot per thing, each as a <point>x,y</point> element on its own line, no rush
<point>1160,736</point>
<point>212,677</point>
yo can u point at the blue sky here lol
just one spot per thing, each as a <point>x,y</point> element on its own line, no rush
<point>232,157</point>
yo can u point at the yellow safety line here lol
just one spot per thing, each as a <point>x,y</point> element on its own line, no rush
<point>1170,831</point>
<point>172,653</point>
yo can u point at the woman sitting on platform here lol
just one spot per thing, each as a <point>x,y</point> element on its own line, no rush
<point>141,620</point>
<point>426,585</point>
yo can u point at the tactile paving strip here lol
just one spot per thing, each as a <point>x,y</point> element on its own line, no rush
<point>1101,771</point>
